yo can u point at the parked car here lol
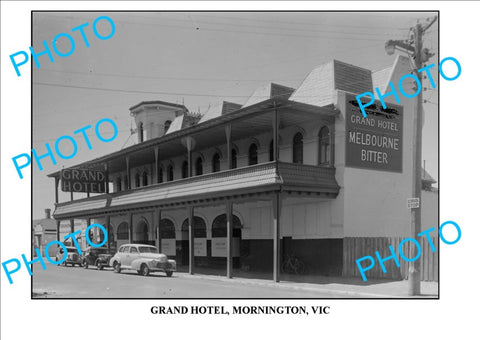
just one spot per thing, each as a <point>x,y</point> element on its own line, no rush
<point>142,258</point>
<point>99,257</point>
<point>73,257</point>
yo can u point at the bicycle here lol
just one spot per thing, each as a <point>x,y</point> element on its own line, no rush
<point>293,265</point>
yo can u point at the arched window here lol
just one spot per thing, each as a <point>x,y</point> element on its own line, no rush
<point>144,178</point>
<point>167,125</point>
<point>324,148</point>
<point>199,227</point>
<point>270,151</point>
<point>167,229</point>
<point>184,169</point>
<point>119,184</point>
<point>253,154</point>
<point>298,148</point>
<point>170,173</point>
<point>219,226</point>
<point>160,175</point>
<point>122,231</point>
<point>216,162</point>
<point>199,166</point>
<point>234,159</point>
<point>140,132</point>
<point>125,182</point>
<point>137,180</point>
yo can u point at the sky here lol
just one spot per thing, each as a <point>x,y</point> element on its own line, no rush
<point>195,59</point>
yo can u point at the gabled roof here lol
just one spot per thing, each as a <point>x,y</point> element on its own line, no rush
<point>182,122</point>
<point>269,91</point>
<point>319,88</point>
<point>219,109</point>
<point>426,177</point>
<point>381,78</point>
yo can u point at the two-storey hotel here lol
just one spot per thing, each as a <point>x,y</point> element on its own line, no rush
<point>291,172</point>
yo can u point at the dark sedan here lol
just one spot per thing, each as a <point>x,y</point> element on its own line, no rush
<point>99,257</point>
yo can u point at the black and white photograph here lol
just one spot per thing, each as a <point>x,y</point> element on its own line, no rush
<point>228,169</point>
<point>225,152</point>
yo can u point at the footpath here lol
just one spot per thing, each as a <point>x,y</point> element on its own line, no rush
<point>351,287</point>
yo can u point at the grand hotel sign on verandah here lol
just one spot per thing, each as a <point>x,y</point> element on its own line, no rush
<point>373,142</point>
<point>83,180</point>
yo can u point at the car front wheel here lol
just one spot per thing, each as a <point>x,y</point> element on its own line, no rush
<point>169,273</point>
<point>116,267</point>
<point>99,266</point>
<point>145,270</point>
<point>85,264</point>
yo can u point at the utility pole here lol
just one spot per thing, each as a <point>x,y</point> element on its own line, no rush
<point>420,56</point>
<point>416,213</point>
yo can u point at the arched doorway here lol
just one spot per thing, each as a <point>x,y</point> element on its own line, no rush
<point>200,239</point>
<point>219,239</point>
<point>122,234</point>
<point>140,233</point>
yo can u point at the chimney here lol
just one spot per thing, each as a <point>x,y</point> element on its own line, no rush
<point>47,213</point>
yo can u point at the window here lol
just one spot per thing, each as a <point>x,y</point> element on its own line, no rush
<point>122,231</point>
<point>199,166</point>
<point>185,169</point>
<point>160,175</point>
<point>145,179</point>
<point>119,184</point>
<point>219,226</point>
<point>234,159</point>
<point>133,250</point>
<point>270,151</point>
<point>167,229</point>
<point>216,162</point>
<point>137,180</point>
<point>167,125</point>
<point>140,132</point>
<point>125,182</point>
<point>199,227</point>
<point>324,148</point>
<point>298,148</point>
<point>170,173</point>
<point>253,154</point>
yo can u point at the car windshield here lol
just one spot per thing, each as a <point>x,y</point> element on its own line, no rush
<point>152,250</point>
<point>72,250</point>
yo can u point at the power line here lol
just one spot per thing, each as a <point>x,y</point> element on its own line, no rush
<point>167,78</point>
<point>277,28</point>
<point>328,36</point>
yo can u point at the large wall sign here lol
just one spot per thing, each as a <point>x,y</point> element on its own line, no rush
<point>219,247</point>
<point>168,246</point>
<point>200,247</point>
<point>374,142</point>
<point>83,180</point>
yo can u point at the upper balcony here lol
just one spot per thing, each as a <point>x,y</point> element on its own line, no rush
<point>236,184</point>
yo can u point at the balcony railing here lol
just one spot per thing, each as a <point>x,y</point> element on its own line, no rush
<point>251,179</point>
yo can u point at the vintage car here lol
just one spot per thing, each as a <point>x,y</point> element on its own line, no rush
<point>99,257</point>
<point>142,258</point>
<point>73,257</point>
